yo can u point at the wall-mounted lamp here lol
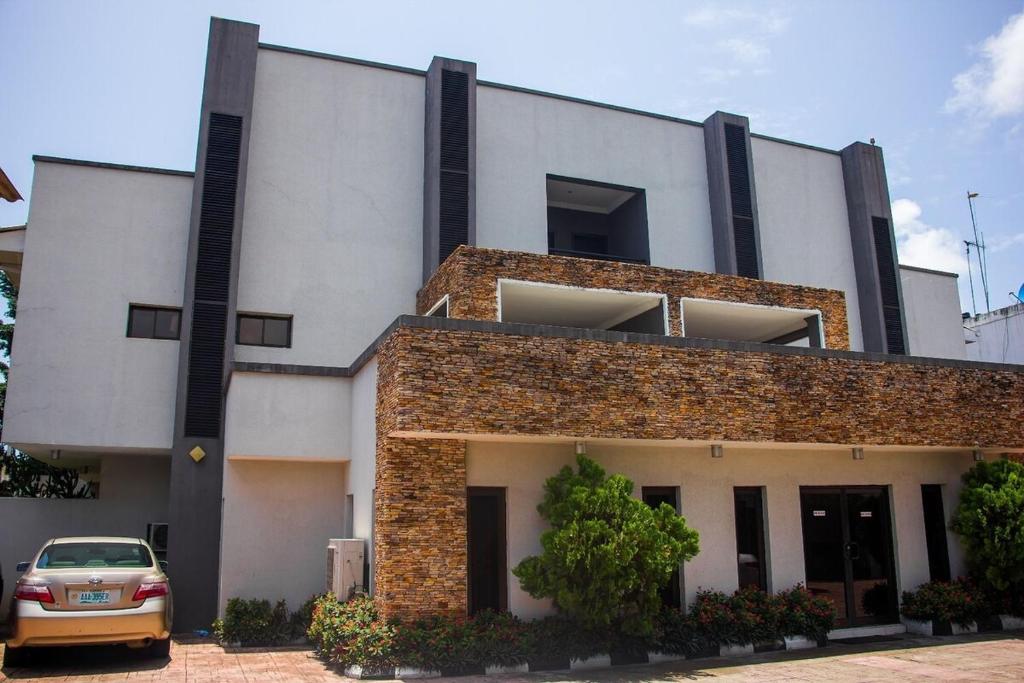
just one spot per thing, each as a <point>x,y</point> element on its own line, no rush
<point>581,448</point>
<point>55,454</point>
<point>978,456</point>
<point>717,451</point>
<point>858,453</point>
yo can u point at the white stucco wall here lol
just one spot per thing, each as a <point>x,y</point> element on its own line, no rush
<point>97,240</point>
<point>931,304</point>
<point>522,137</point>
<point>277,518</point>
<point>133,492</point>
<point>997,337</point>
<point>805,229</point>
<point>363,450</point>
<point>707,502</point>
<point>296,417</point>
<point>334,203</point>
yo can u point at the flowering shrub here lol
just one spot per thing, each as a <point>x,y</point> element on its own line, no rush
<point>254,622</point>
<point>958,602</point>
<point>805,614</point>
<point>352,633</point>
<point>754,616</point>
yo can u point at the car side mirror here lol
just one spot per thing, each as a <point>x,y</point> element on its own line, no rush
<point>163,566</point>
<point>22,567</point>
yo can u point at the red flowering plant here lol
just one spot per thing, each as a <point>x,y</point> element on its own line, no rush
<point>806,614</point>
<point>957,602</point>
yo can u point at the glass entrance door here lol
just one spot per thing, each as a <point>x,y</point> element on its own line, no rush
<point>848,551</point>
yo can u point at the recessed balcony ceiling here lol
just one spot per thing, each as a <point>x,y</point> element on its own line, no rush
<point>583,197</point>
<point>595,309</point>
<point>741,322</point>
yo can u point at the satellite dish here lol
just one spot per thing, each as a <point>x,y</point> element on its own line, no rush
<point>1020,293</point>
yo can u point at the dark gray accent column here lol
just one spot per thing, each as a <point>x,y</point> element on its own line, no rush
<point>814,335</point>
<point>449,167</point>
<point>734,222</point>
<point>208,322</point>
<point>867,203</point>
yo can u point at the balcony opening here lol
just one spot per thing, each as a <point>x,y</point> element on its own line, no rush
<point>597,220</point>
<point>751,322</point>
<point>537,303</point>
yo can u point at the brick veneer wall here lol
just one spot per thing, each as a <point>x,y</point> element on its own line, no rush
<point>454,382</point>
<point>469,277</point>
<point>420,513</point>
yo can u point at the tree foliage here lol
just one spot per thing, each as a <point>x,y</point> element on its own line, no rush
<point>607,554</point>
<point>990,521</point>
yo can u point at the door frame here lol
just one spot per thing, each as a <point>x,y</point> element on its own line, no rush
<point>889,545</point>
<point>498,492</point>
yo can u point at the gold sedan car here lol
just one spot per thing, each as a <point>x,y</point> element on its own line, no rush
<point>91,590</point>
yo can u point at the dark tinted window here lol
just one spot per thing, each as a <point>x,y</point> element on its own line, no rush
<point>150,322</point>
<point>82,555</point>
<point>750,549</point>
<point>264,330</point>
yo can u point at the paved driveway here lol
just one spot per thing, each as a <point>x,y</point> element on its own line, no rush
<point>994,657</point>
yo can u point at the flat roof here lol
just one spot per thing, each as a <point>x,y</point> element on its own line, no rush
<point>108,165</point>
<point>528,91</point>
<point>930,271</point>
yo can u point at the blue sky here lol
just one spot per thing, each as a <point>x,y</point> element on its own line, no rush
<point>938,84</point>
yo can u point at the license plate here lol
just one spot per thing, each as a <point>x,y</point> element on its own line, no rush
<point>92,598</point>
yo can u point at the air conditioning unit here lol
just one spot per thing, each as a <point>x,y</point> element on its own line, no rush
<point>345,560</point>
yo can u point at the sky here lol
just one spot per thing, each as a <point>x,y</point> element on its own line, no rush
<point>939,85</point>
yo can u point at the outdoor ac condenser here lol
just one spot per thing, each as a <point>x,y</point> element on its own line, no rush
<point>345,559</point>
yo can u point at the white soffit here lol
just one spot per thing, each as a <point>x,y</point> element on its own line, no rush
<point>581,197</point>
<point>740,322</point>
<point>596,309</point>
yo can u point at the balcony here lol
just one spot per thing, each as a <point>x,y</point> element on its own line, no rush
<point>507,286</point>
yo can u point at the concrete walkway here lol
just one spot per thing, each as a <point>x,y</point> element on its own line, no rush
<point>988,657</point>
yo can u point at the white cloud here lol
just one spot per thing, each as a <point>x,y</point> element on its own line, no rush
<point>994,86</point>
<point>745,50</point>
<point>999,243</point>
<point>713,16</point>
<point>923,245</point>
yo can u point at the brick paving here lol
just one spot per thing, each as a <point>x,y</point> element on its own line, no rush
<point>990,657</point>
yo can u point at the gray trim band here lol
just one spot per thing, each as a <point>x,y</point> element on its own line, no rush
<point>111,166</point>
<point>555,332</point>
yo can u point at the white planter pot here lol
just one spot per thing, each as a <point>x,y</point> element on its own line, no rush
<point>410,673</point>
<point>960,630</point>
<point>799,643</point>
<point>595,662</point>
<point>920,628</point>
<point>735,650</point>
<point>659,657</point>
<point>360,672</point>
<point>514,669</point>
<point>1011,623</point>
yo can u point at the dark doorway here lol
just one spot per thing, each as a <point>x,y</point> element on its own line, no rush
<point>655,496</point>
<point>752,567</point>
<point>487,543</point>
<point>848,551</point>
<point>935,532</point>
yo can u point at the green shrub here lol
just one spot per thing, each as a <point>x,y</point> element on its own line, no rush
<point>958,602</point>
<point>352,633</point>
<point>254,622</point>
<point>607,554</point>
<point>990,522</point>
<point>805,614</point>
<point>300,619</point>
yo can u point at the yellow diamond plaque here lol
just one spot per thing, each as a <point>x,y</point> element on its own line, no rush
<point>197,453</point>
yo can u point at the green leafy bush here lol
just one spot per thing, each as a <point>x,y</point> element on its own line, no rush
<point>352,633</point>
<point>254,622</point>
<point>607,554</point>
<point>959,602</point>
<point>805,614</point>
<point>990,522</point>
<point>754,616</point>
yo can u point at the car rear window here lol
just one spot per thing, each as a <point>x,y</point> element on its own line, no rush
<point>81,555</point>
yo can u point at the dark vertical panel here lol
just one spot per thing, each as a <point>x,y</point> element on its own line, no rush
<point>486,548</point>
<point>654,496</point>
<point>888,286</point>
<point>935,532</point>
<point>741,201</point>
<point>213,278</point>
<point>454,205</point>
<point>751,560</point>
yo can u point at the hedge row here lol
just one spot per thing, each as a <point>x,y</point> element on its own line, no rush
<point>354,634</point>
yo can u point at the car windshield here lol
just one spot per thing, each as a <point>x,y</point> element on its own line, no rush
<point>81,555</point>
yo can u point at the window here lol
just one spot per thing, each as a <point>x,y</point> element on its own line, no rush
<point>264,330</point>
<point>750,550</point>
<point>935,532</point>
<point>95,554</point>
<point>735,321</point>
<point>153,322</point>
<point>595,220</point>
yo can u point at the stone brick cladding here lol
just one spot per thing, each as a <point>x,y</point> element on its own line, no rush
<point>455,382</point>
<point>469,277</point>
<point>420,514</point>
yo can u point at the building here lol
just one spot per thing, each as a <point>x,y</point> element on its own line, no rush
<point>389,303</point>
<point>997,336</point>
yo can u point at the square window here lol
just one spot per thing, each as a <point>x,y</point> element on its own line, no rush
<point>250,330</point>
<point>168,323</point>
<point>141,322</point>
<point>275,331</point>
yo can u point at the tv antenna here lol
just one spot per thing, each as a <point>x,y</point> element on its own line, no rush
<point>979,245</point>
